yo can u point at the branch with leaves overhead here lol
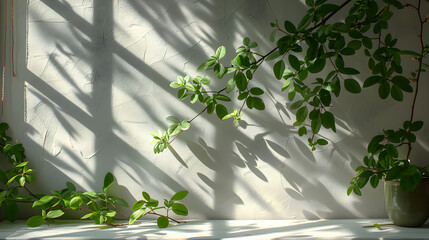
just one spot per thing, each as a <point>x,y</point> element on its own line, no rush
<point>312,81</point>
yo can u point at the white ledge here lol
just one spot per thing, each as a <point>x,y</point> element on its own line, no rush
<point>218,229</point>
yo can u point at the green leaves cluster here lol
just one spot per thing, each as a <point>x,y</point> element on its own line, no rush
<point>149,206</point>
<point>101,206</point>
<point>15,178</point>
<point>313,80</point>
<point>161,140</point>
<point>385,163</point>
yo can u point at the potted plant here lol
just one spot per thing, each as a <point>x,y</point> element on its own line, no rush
<point>406,186</point>
<point>325,45</point>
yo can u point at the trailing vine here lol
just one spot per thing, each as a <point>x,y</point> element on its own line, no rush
<point>101,207</point>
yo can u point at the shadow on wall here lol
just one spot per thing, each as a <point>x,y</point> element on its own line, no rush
<point>98,82</point>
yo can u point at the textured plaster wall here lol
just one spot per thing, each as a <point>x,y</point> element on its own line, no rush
<point>93,81</point>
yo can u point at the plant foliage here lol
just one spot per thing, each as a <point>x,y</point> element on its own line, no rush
<point>310,59</point>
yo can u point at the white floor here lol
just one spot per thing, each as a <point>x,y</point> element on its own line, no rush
<point>218,229</point>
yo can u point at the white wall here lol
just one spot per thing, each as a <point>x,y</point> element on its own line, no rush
<point>93,81</point>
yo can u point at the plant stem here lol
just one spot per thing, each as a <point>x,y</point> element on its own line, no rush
<point>172,219</point>
<point>417,8</point>
<point>29,192</point>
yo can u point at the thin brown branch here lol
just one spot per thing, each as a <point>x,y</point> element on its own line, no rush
<point>161,215</point>
<point>418,8</point>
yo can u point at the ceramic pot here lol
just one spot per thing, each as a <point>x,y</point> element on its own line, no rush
<point>407,209</point>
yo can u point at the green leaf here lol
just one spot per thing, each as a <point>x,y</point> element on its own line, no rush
<point>258,103</point>
<point>175,85</point>
<point>322,142</point>
<point>352,85</point>
<point>384,90</point>
<point>354,44</point>
<point>349,71</point>
<point>304,23</point>
<point>409,182</point>
<point>340,27</point>
<point>317,66</point>
<point>210,108</point>
<point>325,97</point>
<point>55,213</point>
<point>185,125</point>
<point>286,84</point>
<point>92,195</point>
<point>11,179</point>
<point>205,80</point>
<point>206,65</point>
<point>179,209</point>
<point>43,200</point>
<point>273,56</point>
<point>374,180</point>
<point>374,144</point>
<point>162,222</point>
<point>315,125</point>
<point>301,114</point>
<point>111,214</point>
<point>108,180</point>
<point>396,93</point>
<point>241,81</point>
<point>273,36</point>
<point>291,94</point>
<point>402,82</point>
<point>294,62</point>
<point>221,111</point>
<point>75,202</point>
<point>367,42</point>
<point>246,41</point>
<point>339,62</point>
<point>256,91</point>
<point>253,45</point>
<point>328,121</point>
<point>35,221</point>
<point>391,149</point>
<point>230,85</point>
<point>146,196</point>
<point>88,215</point>
<point>173,119</point>
<point>70,186</point>
<point>221,97</point>
<point>296,104</point>
<point>220,52</point>
<point>371,81</point>
<point>290,27</point>
<point>309,3</point>
<point>22,181</point>
<point>279,68</point>
<point>137,205</point>
<point>302,131</point>
<point>219,70</point>
<point>22,164</point>
<point>174,129</point>
<point>137,214</point>
<point>415,126</point>
<point>349,190</point>
<point>357,191</point>
<point>179,195</point>
<point>242,61</point>
<point>394,173</point>
<point>194,98</point>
